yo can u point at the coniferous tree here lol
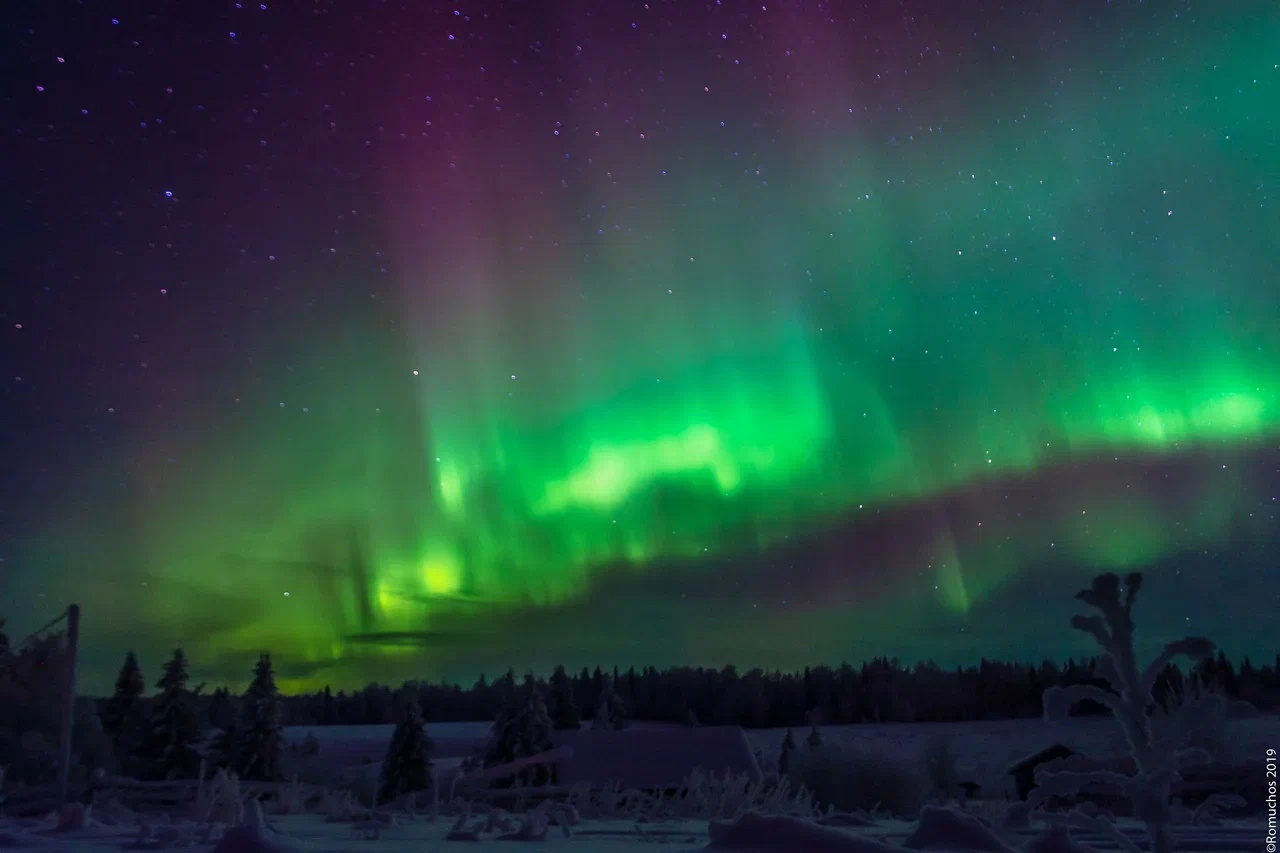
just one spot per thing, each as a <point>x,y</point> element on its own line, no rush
<point>260,738</point>
<point>784,758</point>
<point>611,711</point>
<point>169,749</point>
<point>224,748</point>
<point>328,708</point>
<point>523,729</point>
<point>880,689</point>
<point>407,766</point>
<point>500,747</point>
<point>221,709</point>
<point>563,708</point>
<point>815,733</point>
<point>123,718</point>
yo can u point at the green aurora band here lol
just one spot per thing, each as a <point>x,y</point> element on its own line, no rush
<point>864,322</point>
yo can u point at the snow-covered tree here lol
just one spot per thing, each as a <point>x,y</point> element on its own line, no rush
<point>168,750</point>
<point>784,757</point>
<point>563,708</point>
<point>222,751</point>
<point>223,719</point>
<point>259,739</point>
<point>407,766</point>
<point>1157,756</point>
<point>815,733</point>
<point>611,711</point>
<point>523,729</point>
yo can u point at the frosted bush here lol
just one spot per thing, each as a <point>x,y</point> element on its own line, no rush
<point>849,780</point>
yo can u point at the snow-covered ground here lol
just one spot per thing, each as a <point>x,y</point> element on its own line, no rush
<point>983,750</point>
<point>314,834</point>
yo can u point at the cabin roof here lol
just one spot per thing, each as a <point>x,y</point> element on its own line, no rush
<point>1049,753</point>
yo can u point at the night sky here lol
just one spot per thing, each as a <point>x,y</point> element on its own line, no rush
<point>415,339</point>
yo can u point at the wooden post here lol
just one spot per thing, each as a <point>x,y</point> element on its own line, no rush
<point>69,703</point>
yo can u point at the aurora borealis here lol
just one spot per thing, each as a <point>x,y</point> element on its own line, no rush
<point>420,342</point>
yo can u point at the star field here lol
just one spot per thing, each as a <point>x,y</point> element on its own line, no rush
<point>414,341</point>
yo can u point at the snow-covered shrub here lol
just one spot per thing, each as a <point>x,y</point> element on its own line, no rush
<point>364,788</point>
<point>702,796</point>
<point>1199,717</point>
<point>311,769</point>
<point>220,799</point>
<point>849,780</point>
<point>1159,752</point>
<point>938,764</point>
<point>815,732</point>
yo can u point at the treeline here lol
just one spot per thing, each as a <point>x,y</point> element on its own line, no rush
<point>878,691</point>
<point>166,728</point>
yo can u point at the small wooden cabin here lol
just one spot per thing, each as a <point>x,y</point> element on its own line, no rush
<point>1023,770</point>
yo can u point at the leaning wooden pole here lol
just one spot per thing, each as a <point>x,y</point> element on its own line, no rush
<point>68,703</point>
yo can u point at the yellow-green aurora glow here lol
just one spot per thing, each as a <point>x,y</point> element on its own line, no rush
<point>774,373</point>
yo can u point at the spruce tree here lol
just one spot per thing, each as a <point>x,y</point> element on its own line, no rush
<point>500,747</point>
<point>523,729</point>
<point>123,718</point>
<point>563,708</point>
<point>169,748</point>
<point>221,709</point>
<point>407,766</point>
<point>611,711</point>
<point>328,708</point>
<point>260,739</point>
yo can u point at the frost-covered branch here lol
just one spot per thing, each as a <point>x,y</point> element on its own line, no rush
<point>1196,648</point>
<point>1058,701</point>
<point>1095,626</point>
